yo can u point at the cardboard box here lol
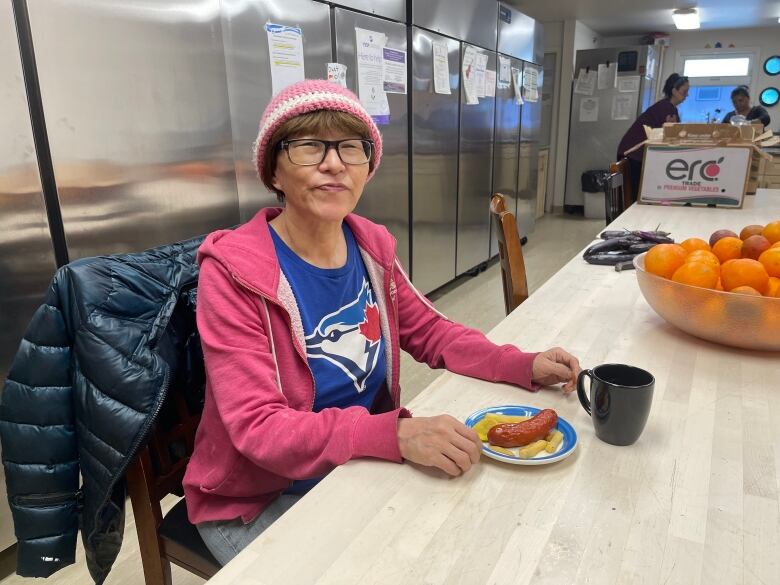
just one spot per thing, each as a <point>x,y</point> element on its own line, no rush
<point>701,164</point>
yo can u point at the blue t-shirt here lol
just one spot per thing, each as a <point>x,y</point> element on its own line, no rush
<point>340,317</point>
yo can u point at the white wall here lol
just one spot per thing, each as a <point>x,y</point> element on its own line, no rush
<point>765,39</point>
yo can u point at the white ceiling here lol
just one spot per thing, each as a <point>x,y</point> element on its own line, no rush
<point>627,17</point>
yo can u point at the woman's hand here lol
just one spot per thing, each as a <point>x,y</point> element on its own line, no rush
<point>555,366</point>
<point>439,441</point>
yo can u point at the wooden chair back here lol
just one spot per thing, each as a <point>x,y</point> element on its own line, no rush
<point>158,470</point>
<point>624,168</point>
<point>614,193</point>
<point>510,253</point>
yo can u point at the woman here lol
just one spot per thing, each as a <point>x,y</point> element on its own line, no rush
<point>661,112</point>
<point>302,314</point>
<point>740,97</point>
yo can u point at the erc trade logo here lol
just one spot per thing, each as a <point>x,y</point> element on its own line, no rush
<point>680,170</point>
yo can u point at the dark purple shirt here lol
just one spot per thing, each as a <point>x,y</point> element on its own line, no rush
<point>655,117</point>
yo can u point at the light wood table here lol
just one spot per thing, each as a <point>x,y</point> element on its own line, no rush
<point>694,501</point>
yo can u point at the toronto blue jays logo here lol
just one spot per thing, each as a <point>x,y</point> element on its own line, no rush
<point>349,338</point>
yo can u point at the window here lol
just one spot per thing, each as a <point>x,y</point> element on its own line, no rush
<point>718,67</point>
<point>737,66</point>
<point>709,103</point>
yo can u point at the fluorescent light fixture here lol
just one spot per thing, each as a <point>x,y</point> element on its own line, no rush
<point>685,18</point>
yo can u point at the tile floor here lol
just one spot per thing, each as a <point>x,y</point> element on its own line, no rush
<point>474,301</point>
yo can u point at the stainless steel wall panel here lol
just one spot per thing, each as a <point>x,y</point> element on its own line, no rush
<point>507,147</point>
<point>135,99</point>
<point>475,173</point>
<point>392,9</point>
<point>538,44</point>
<point>473,21</point>
<point>386,197</point>
<point>434,144</point>
<point>528,175</point>
<point>26,255</point>
<point>249,75</point>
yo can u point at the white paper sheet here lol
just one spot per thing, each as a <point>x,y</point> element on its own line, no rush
<point>490,83</point>
<point>624,106</point>
<point>586,82</point>
<point>628,84</point>
<point>394,76</point>
<point>370,74</point>
<point>285,50</point>
<point>530,84</point>
<point>607,75</point>
<point>479,81</point>
<point>469,69</point>
<point>589,109</point>
<point>517,87</point>
<point>337,73</point>
<point>504,72</point>
<point>441,68</point>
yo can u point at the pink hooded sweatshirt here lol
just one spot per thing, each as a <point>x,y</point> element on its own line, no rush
<point>258,431</point>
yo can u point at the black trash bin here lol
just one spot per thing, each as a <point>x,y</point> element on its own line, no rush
<point>593,192</point>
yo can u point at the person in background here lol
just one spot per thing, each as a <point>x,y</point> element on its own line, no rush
<point>740,97</point>
<point>302,314</point>
<point>661,112</point>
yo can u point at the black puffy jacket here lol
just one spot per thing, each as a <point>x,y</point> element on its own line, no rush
<point>84,388</point>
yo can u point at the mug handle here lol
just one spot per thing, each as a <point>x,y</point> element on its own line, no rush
<point>581,392</point>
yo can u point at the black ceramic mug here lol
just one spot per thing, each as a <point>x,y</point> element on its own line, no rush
<point>620,396</point>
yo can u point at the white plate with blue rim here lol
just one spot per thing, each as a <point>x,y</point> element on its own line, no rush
<point>565,449</point>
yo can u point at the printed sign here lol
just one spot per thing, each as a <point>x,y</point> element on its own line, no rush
<point>695,175</point>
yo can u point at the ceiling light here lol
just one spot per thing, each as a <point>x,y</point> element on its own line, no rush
<point>685,18</point>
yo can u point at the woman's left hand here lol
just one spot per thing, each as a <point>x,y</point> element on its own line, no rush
<point>555,366</point>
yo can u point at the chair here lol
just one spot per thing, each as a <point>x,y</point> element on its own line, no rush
<point>624,168</point>
<point>159,468</point>
<point>510,253</point>
<point>614,194</point>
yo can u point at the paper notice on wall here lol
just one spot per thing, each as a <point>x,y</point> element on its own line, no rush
<point>624,106</point>
<point>589,109</point>
<point>469,70</point>
<point>479,81</point>
<point>370,74</point>
<point>285,50</point>
<point>394,65</point>
<point>504,72</point>
<point>628,84</point>
<point>490,83</point>
<point>517,88</point>
<point>337,73</point>
<point>607,75</point>
<point>585,83</point>
<point>441,68</point>
<point>530,84</point>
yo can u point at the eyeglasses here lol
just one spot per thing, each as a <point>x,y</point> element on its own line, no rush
<point>311,151</point>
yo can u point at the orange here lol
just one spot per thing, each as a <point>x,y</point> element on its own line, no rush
<point>693,244</point>
<point>719,286</point>
<point>664,259</point>
<point>698,274</point>
<point>703,256</point>
<point>728,249</point>
<point>773,290</point>
<point>746,290</point>
<point>775,245</point>
<point>750,230</point>
<point>744,272</point>
<point>771,261</point>
<point>772,231</point>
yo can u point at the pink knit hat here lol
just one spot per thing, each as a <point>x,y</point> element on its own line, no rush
<point>311,95</point>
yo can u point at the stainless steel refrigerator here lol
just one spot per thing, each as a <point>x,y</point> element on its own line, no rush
<point>599,118</point>
<point>434,151</point>
<point>328,33</point>
<point>528,164</point>
<point>452,143</point>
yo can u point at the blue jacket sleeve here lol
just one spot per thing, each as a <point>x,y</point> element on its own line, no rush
<point>39,451</point>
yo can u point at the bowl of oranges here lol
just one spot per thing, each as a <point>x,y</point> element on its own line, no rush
<point>725,290</point>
